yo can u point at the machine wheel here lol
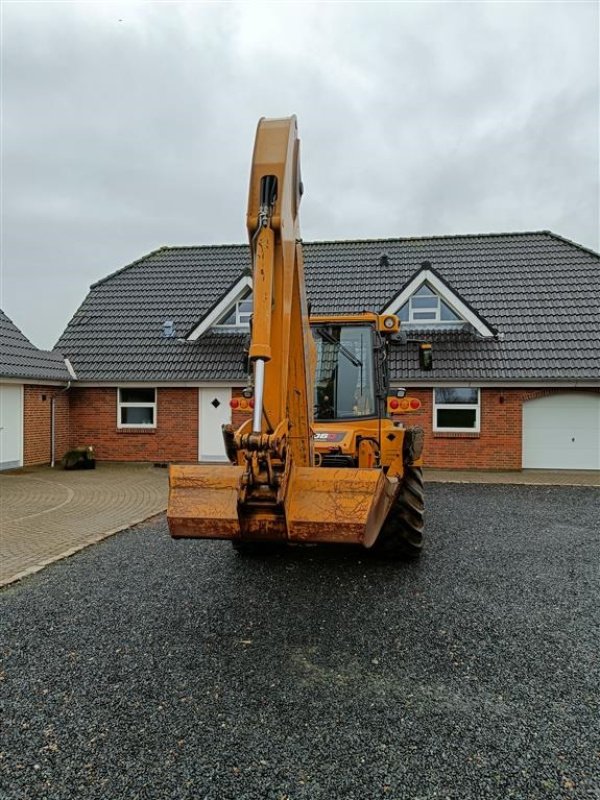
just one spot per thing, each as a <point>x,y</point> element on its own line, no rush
<point>402,532</point>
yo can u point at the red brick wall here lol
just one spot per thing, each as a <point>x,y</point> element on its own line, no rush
<point>37,412</point>
<point>93,417</point>
<point>175,438</point>
<point>497,446</point>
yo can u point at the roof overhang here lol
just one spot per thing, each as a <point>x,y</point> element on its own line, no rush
<point>125,384</point>
<point>499,384</point>
<point>34,381</point>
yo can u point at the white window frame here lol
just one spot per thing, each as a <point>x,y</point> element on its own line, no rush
<point>242,318</point>
<point>447,295</point>
<point>139,425</point>
<point>435,310</point>
<point>457,407</point>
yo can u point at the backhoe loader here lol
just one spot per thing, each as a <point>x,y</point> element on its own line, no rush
<point>319,458</point>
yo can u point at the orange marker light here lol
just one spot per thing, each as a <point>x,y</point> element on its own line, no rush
<point>243,404</point>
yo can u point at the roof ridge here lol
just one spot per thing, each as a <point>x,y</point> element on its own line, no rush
<point>159,250</point>
<point>389,239</point>
<point>128,266</point>
<point>572,242</point>
<point>429,238</point>
<point>373,239</point>
<point>198,246</point>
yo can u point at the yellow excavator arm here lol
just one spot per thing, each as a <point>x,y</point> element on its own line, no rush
<point>273,491</point>
<point>281,343</point>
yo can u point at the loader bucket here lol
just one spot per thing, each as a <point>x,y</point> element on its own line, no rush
<point>203,501</point>
<point>347,506</point>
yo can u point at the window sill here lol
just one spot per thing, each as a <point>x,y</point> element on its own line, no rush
<point>136,430</point>
<point>456,434</point>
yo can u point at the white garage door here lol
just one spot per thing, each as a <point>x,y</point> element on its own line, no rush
<point>562,431</point>
<point>11,426</point>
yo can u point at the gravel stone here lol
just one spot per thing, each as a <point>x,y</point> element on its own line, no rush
<point>149,668</point>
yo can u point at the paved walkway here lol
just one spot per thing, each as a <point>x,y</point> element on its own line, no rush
<point>47,514</point>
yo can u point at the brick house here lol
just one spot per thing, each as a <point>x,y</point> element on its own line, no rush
<point>34,404</point>
<point>157,347</point>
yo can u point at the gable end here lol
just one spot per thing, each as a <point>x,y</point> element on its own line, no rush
<point>221,307</point>
<point>428,276</point>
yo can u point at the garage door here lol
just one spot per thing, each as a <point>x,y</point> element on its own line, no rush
<point>11,426</point>
<point>562,431</point>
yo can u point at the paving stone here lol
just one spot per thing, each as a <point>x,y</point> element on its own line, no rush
<point>47,514</point>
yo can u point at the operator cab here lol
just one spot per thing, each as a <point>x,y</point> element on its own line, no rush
<point>345,385</point>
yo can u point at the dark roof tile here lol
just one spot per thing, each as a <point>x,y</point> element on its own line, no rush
<point>537,289</point>
<point>19,358</point>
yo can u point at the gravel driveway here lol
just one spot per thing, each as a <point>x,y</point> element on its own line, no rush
<point>147,668</point>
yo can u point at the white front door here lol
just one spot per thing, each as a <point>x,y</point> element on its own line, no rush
<point>562,431</point>
<point>11,426</point>
<point>214,410</point>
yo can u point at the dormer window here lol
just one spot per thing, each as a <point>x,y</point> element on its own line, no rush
<point>425,306</point>
<point>427,300</point>
<point>238,316</point>
<point>231,312</point>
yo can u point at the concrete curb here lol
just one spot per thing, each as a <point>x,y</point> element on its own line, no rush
<point>72,550</point>
<point>508,482</point>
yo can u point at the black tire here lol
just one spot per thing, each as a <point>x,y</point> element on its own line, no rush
<point>402,533</point>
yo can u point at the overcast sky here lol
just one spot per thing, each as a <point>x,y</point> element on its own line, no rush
<point>129,126</point>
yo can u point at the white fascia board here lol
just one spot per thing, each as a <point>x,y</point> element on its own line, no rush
<point>160,384</point>
<point>452,300</point>
<point>33,381</point>
<point>219,310</point>
<point>500,384</point>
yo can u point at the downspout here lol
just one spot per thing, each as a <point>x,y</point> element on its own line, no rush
<point>52,422</point>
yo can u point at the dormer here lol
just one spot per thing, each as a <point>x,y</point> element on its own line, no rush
<point>425,307</point>
<point>231,312</point>
<point>428,301</point>
<point>237,315</point>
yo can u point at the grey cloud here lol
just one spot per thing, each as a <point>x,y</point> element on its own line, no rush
<point>121,136</point>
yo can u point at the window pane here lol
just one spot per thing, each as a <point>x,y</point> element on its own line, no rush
<point>229,319</point>
<point>456,417</point>
<point>424,315</point>
<point>447,313</point>
<point>137,395</point>
<point>403,313</point>
<point>424,302</point>
<point>137,416</point>
<point>456,394</point>
<point>245,306</point>
<point>344,385</point>
<point>424,291</point>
